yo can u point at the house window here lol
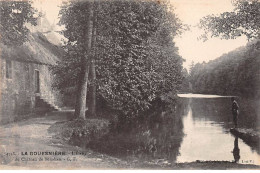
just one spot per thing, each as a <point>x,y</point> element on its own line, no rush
<point>8,69</point>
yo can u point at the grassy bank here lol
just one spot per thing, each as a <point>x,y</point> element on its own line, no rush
<point>83,130</point>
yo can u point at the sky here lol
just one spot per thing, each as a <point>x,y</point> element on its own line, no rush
<point>49,7</point>
<point>189,12</point>
<point>190,48</point>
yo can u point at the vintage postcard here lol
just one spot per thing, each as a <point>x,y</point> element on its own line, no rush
<point>129,84</point>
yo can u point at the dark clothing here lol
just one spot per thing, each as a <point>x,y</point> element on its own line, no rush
<point>235,112</point>
<point>235,119</point>
<point>235,108</point>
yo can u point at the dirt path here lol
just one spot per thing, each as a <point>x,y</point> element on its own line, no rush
<point>32,136</point>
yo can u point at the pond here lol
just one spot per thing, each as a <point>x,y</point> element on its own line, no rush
<point>195,128</point>
<point>207,137</point>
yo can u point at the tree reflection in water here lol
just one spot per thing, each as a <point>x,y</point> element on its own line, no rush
<point>157,135</point>
<point>207,129</point>
<point>219,110</point>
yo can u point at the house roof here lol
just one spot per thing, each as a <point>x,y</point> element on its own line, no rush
<point>37,49</point>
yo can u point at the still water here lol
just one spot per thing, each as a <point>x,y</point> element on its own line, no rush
<point>195,128</point>
<point>206,127</point>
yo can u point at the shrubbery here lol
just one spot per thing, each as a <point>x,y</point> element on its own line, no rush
<point>136,58</point>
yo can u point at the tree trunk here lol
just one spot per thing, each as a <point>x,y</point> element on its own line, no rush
<point>80,107</point>
<point>92,74</point>
<point>92,89</point>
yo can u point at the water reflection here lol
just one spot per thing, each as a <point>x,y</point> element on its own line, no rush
<point>192,129</point>
<point>236,151</point>
<point>207,136</point>
<point>157,135</point>
<point>218,110</point>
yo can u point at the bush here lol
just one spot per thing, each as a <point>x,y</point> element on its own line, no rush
<point>77,130</point>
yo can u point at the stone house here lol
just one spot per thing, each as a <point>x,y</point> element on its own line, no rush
<point>26,79</point>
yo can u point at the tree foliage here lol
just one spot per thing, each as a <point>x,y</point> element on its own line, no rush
<point>244,20</point>
<point>136,58</point>
<point>185,86</point>
<point>235,73</point>
<point>13,17</point>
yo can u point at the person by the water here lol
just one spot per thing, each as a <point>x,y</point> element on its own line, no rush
<point>235,111</point>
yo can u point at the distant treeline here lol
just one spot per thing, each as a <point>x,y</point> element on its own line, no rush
<point>234,73</point>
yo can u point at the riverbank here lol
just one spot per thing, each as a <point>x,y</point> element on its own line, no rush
<point>20,140</point>
<point>34,135</point>
<point>139,164</point>
<point>249,136</point>
<point>198,165</point>
<point>74,133</point>
<point>77,130</point>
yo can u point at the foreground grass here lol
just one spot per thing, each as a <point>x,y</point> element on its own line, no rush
<point>88,130</point>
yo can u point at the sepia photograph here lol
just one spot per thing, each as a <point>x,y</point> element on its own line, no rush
<point>129,85</point>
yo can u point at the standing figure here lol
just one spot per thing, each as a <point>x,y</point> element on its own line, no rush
<point>235,111</point>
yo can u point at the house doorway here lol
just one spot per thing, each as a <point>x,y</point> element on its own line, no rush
<point>37,81</point>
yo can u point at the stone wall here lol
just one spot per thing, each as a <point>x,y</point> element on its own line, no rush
<point>17,95</point>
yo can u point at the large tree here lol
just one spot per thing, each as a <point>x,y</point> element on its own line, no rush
<point>92,73</point>
<point>243,20</point>
<point>13,17</point>
<point>136,58</point>
<point>77,17</point>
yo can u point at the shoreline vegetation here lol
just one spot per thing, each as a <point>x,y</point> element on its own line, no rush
<point>235,73</point>
<point>74,132</point>
<point>59,131</point>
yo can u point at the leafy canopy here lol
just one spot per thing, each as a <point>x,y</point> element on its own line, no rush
<point>244,20</point>
<point>13,17</point>
<point>136,58</point>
